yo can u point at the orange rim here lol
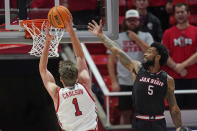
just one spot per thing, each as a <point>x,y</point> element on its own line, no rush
<point>37,22</point>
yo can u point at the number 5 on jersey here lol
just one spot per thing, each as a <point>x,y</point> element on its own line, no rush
<point>150,90</point>
<point>77,110</point>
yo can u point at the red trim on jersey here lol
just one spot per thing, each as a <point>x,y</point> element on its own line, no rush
<point>158,72</point>
<point>155,73</point>
<point>88,92</point>
<point>58,100</point>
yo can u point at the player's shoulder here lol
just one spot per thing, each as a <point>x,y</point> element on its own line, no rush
<point>53,86</point>
<point>79,85</point>
<point>170,80</point>
<point>170,77</point>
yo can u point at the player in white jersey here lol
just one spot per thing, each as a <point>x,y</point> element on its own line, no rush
<point>74,104</point>
<point>76,108</point>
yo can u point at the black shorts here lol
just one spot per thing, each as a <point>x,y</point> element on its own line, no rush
<point>125,102</point>
<point>145,125</point>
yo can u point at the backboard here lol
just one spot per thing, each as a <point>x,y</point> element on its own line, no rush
<point>83,11</point>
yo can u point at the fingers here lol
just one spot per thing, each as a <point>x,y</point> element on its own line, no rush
<point>48,26</point>
<point>70,19</point>
<point>100,23</point>
<point>48,35</point>
<point>91,26</point>
<point>94,23</point>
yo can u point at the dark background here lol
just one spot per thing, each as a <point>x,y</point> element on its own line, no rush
<point>24,102</point>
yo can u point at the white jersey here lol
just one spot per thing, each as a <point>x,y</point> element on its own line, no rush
<point>76,109</point>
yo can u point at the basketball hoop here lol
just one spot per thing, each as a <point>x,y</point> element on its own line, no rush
<point>35,29</point>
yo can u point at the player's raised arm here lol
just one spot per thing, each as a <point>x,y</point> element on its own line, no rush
<point>47,77</point>
<point>173,107</point>
<point>125,60</point>
<point>83,76</point>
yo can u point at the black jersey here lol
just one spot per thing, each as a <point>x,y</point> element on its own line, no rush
<point>149,91</point>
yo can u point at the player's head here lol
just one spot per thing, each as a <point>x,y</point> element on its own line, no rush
<point>68,73</point>
<point>181,13</point>
<point>157,53</point>
<point>132,21</point>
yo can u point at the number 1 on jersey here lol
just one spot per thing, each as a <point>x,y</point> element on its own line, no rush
<point>78,112</point>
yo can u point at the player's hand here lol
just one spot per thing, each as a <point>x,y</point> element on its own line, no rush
<point>48,36</point>
<point>69,25</point>
<point>95,28</point>
<point>115,87</point>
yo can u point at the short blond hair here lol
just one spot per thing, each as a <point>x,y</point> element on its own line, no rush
<point>68,72</point>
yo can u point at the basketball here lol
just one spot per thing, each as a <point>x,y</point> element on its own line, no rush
<point>59,16</point>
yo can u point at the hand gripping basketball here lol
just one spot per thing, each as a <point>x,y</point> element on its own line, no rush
<point>59,16</point>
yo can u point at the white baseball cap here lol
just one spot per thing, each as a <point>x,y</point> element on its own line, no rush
<point>132,14</point>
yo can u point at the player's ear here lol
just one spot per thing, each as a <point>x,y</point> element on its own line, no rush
<point>158,57</point>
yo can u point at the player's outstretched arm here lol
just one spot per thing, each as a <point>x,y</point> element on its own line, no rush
<point>173,107</point>
<point>125,60</point>
<point>47,77</point>
<point>83,72</point>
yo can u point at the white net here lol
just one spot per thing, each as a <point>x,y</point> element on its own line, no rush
<point>39,38</point>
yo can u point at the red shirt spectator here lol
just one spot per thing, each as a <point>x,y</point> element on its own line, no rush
<point>181,45</point>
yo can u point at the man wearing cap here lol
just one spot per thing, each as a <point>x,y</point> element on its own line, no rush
<point>134,43</point>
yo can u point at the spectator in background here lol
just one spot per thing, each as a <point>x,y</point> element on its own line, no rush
<point>171,3</point>
<point>181,42</point>
<point>169,7</point>
<point>133,42</point>
<point>149,22</point>
<point>160,9</point>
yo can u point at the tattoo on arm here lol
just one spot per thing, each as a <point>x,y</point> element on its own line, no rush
<point>174,109</point>
<point>121,55</point>
<point>124,59</point>
<point>108,42</point>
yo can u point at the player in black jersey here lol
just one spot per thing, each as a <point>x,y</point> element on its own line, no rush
<point>151,84</point>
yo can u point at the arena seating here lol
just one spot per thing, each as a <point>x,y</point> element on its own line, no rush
<point>99,56</point>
